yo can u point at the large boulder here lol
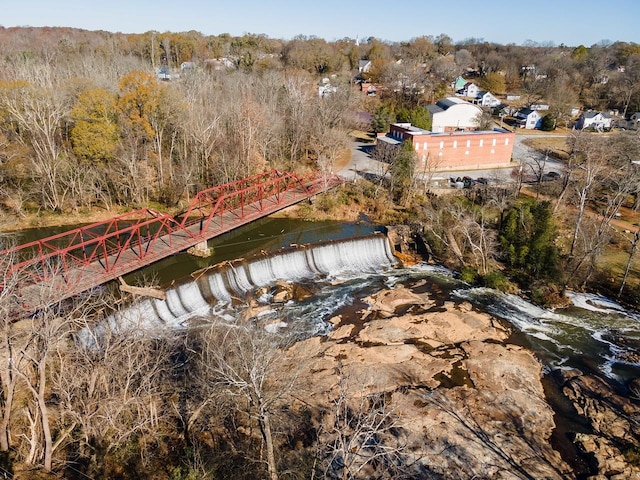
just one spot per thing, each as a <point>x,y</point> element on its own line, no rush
<point>467,404</point>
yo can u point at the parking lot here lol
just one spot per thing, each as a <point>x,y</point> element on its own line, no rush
<point>526,161</point>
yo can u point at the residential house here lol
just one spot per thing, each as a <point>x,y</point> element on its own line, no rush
<point>222,63</point>
<point>470,90</point>
<point>598,121</point>
<point>164,73</point>
<point>528,118</point>
<point>458,84</point>
<point>454,150</point>
<point>325,88</point>
<point>539,106</point>
<point>453,114</point>
<point>508,110</point>
<point>487,99</point>
<point>513,96</point>
<point>369,89</point>
<point>364,66</point>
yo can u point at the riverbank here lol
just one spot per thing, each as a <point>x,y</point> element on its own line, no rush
<point>12,223</point>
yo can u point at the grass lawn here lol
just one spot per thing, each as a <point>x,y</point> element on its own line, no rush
<point>556,146</point>
<point>613,263</point>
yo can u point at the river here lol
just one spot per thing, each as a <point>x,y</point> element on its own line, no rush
<point>594,335</point>
<point>346,262</point>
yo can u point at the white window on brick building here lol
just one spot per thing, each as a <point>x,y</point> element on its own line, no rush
<point>441,145</point>
<point>417,146</point>
<point>506,141</point>
<point>455,144</point>
<point>493,142</point>
<point>482,142</point>
<point>468,143</point>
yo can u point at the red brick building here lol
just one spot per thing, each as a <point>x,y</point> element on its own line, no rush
<point>454,150</point>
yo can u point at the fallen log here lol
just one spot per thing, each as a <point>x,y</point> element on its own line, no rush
<point>144,291</point>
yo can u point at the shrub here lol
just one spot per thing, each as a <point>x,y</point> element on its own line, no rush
<point>496,279</point>
<point>469,275</point>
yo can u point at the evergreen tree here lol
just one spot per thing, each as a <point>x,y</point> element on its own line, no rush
<point>527,237</point>
<point>381,119</point>
<point>548,123</point>
<point>402,172</point>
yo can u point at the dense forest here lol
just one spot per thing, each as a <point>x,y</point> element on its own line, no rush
<point>87,122</point>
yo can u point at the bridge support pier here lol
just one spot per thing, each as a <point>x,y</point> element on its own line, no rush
<point>201,250</point>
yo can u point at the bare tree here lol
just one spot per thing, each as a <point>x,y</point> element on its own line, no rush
<point>632,250</point>
<point>474,238</point>
<point>37,114</point>
<point>10,351</point>
<point>112,387</point>
<point>483,120</point>
<point>361,436</point>
<point>591,166</point>
<point>244,363</point>
<point>603,182</point>
<point>43,338</point>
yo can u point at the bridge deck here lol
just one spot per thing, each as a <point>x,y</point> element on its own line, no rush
<point>74,279</point>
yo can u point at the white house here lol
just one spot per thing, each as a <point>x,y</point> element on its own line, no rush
<point>325,88</point>
<point>599,121</point>
<point>528,118</point>
<point>453,114</point>
<point>222,63</point>
<point>469,90</point>
<point>487,99</point>
<point>539,106</point>
<point>364,66</point>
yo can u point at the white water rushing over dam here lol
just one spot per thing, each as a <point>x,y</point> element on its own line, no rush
<point>593,335</point>
<point>214,289</point>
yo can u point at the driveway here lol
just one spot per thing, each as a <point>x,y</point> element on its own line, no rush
<point>361,163</point>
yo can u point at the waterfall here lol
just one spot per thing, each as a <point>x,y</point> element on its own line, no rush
<point>221,283</point>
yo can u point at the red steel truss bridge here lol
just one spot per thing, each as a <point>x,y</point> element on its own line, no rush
<point>52,269</point>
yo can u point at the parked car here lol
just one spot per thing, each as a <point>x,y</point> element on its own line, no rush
<point>550,176</point>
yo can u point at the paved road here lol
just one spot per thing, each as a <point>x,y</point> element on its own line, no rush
<point>362,165</point>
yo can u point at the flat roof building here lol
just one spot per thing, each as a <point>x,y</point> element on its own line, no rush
<point>478,149</point>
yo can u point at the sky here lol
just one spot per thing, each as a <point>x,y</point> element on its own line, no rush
<point>569,22</point>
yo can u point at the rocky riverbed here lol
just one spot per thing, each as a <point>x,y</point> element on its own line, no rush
<point>463,403</point>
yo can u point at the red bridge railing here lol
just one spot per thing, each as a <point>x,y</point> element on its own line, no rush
<point>85,257</point>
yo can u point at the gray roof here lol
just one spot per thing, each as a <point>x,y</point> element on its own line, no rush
<point>446,103</point>
<point>434,109</point>
<point>525,111</point>
<point>591,114</point>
